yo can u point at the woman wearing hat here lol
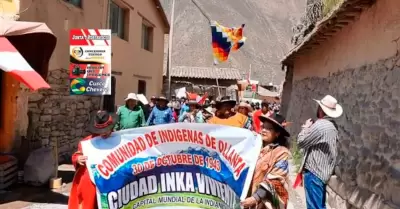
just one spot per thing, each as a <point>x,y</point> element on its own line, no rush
<point>226,116</point>
<point>83,191</point>
<point>272,168</point>
<point>131,115</point>
<point>194,115</point>
<point>161,114</point>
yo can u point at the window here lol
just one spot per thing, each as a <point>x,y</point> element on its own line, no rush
<point>117,20</point>
<point>142,87</point>
<point>147,37</point>
<point>77,3</point>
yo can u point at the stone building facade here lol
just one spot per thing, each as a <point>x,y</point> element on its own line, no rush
<point>54,116</point>
<point>353,55</point>
<point>47,117</point>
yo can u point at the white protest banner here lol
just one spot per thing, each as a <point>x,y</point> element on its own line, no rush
<point>177,165</point>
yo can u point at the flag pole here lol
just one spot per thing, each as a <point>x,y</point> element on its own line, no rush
<point>209,21</point>
<point>170,37</point>
<point>250,73</point>
<point>216,79</point>
<point>202,11</point>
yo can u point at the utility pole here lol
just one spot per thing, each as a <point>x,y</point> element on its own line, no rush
<point>170,36</point>
<point>107,6</point>
<point>250,73</point>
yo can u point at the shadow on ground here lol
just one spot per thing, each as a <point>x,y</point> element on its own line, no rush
<point>19,195</point>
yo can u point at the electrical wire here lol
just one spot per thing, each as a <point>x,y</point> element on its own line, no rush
<point>26,9</point>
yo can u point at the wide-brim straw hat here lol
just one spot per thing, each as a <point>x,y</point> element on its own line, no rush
<point>209,110</point>
<point>131,96</point>
<point>244,104</point>
<point>162,98</point>
<point>330,106</point>
<point>278,120</point>
<point>102,122</point>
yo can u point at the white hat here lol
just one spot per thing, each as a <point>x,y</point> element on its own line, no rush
<point>176,105</point>
<point>131,96</point>
<point>330,106</point>
<point>209,109</point>
<point>244,104</point>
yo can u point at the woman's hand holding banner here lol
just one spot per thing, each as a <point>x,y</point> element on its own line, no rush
<point>188,165</point>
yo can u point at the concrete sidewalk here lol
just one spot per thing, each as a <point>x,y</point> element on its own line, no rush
<point>297,198</point>
<point>26,197</point>
<point>43,198</point>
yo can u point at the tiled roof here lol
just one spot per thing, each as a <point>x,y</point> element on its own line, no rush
<point>267,93</point>
<point>341,16</point>
<point>206,72</point>
<point>163,16</point>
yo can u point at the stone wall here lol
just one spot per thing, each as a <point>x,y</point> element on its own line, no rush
<point>368,171</point>
<point>54,115</point>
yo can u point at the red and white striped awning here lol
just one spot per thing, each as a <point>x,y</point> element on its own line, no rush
<point>11,60</point>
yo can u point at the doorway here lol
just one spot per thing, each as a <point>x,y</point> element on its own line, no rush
<point>8,95</point>
<point>109,100</point>
<point>142,87</point>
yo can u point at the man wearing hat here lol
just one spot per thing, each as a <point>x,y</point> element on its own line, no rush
<point>131,115</point>
<point>319,140</point>
<point>194,115</point>
<point>207,113</point>
<point>161,113</point>
<point>83,191</point>
<point>226,115</point>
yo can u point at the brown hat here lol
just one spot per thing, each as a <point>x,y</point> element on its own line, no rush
<point>102,122</point>
<point>246,105</point>
<point>163,98</point>
<point>278,120</point>
<point>225,100</point>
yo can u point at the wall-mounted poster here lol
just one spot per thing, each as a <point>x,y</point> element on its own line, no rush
<point>90,62</point>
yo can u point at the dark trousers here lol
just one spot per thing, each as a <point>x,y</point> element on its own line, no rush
<point>315,190</point>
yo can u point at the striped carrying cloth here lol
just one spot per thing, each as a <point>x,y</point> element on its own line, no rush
<point>271,173</point>
<point>224,40</point>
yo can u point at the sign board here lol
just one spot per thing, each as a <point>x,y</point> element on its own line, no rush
<point>90,62</point>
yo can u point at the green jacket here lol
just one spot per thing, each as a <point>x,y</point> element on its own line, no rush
<point>130,118</point>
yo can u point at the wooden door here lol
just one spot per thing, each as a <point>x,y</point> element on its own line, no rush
<point>9,89</point>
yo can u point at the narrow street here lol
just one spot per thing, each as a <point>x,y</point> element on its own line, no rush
<point>42,198</point>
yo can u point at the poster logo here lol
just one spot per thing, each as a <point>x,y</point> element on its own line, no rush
<point>90,61</point>
<point>77,51</point>
<point>78,86</point>
<point>89,86</point>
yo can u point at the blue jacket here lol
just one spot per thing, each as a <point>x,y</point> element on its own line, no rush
<point>160,116</point>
